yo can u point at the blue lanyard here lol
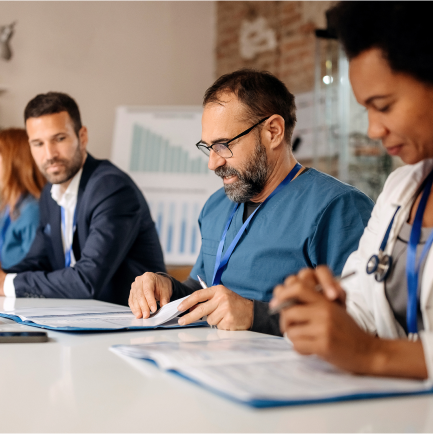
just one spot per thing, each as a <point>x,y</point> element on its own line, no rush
<point>220,264</point>
<point>68,251</point>
<point>412,268</point>
<point>6,224</point>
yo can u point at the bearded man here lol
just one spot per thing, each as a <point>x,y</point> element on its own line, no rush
<point>95,233</point>
<point>272,218</point>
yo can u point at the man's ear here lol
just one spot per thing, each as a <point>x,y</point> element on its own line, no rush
<point>274,131</point>
<point>83,136</point>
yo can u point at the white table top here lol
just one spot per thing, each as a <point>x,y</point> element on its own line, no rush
<point>74,383</point>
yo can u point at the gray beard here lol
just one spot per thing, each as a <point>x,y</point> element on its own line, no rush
<point>251,180</point>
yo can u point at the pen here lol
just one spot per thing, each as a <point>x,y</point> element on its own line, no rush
<point>292,301</point>
<point>202,283</point>
<point>204,286</point>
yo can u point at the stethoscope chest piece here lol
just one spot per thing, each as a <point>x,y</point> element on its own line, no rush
<point>380,265</point>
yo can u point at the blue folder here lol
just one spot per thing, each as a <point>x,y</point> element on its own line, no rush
<point>266,372</point>
<point>266,403</point>
<point>90,329</point>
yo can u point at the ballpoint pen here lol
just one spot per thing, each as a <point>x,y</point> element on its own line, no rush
<point>204,286</point>
<point>292,301</point>
<point>202,283</point>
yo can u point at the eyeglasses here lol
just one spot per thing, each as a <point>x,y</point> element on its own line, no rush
<point>222,148</point>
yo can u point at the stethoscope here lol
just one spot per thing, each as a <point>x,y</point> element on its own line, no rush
<point>380,264</point>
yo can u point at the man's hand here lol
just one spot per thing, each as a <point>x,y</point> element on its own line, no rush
<point>146,290</point>
<point>2,282</point>
<point>224,308</point>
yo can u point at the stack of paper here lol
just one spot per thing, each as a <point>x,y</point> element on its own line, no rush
<point>95,318</point>
<point>266,372</point>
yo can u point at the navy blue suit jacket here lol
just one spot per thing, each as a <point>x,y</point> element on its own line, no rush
<point>115,240</point>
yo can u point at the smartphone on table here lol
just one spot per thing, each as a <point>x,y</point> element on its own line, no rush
<point>22,337</point>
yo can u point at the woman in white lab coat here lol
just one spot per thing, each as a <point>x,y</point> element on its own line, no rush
<point>382,324</point>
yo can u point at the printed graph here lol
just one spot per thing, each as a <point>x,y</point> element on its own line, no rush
<point>151,152</point>
<point>177,227</point>
<point>155,146</point>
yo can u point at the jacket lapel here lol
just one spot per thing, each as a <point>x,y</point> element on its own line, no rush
<point>80,235</point>
<point>56,234</point>
<point>56,219</point>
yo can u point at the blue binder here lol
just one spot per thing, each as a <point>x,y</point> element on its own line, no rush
<point>267,403</point>
<point>90,329</point>
<point>266,372</point>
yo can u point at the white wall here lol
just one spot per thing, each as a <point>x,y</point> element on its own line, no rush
<point>106,54</point>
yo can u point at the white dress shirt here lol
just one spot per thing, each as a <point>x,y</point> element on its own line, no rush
<point>67,200</point>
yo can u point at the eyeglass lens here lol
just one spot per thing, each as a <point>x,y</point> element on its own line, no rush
<point>222,150</point>
<point>219,148</point>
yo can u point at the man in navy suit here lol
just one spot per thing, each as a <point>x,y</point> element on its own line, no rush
<point>96,233</point>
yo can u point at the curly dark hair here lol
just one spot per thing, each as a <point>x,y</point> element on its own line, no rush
<point>401,29</point>
<point>261,93</point>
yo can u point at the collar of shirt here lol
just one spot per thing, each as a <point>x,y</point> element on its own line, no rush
<point>68,200</point>
<point>69,197</point>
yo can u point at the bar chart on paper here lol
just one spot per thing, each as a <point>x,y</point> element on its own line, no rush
<point>176,224</point>
<point>156,147</point>
<point>152,152</point>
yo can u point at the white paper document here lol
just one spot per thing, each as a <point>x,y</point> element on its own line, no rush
<point>98,317</point>
<point>266,371</point>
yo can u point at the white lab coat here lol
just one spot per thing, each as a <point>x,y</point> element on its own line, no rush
<point>366,299</point>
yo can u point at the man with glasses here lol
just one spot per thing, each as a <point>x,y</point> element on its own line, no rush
<point>272,218</point>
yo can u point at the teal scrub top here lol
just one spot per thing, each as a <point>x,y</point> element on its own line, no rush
<point>314,220</point>
<point>21,232</point>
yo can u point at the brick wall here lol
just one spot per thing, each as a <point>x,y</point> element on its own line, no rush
<point>292,61</point>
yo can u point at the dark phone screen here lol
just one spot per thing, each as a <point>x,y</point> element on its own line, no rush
<point>26,334</point>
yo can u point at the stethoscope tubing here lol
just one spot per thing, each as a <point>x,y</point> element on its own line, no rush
<point>380,265</point>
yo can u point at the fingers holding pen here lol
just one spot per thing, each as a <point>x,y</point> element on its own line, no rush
<point>195,298</point>
<point>300,288</point>
<point>299,315</point>
<point>201,309</point>
<point>330,285</point>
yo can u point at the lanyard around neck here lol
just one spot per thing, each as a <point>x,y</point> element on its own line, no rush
<point>412,267</point>
<point>68,248</point>
<point>220,263</point>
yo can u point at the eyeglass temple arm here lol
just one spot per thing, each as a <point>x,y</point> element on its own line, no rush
<point>247,131</point>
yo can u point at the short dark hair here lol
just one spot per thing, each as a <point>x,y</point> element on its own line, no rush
<point>260,92</point>
<point>400,29</point>
<point>51,103</point>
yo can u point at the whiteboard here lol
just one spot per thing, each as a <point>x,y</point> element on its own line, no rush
<point>156,147</point>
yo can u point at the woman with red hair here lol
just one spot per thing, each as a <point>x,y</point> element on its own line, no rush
<point>20,188</point>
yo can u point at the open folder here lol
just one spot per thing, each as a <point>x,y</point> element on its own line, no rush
<point>96,318</point>
<point>266,372</point>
